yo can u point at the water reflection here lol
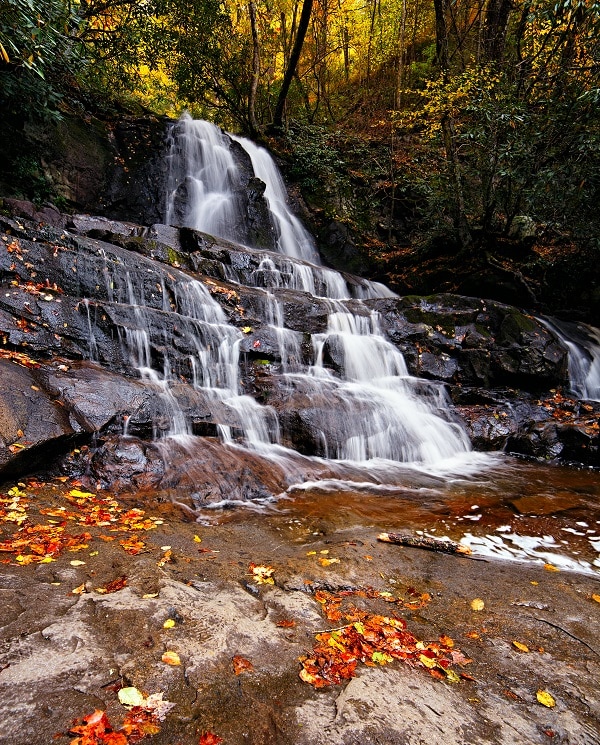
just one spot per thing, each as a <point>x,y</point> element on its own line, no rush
<point>514,510</point>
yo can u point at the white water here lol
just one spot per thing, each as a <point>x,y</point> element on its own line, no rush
<point>583,345</point>
<point>203,180</point>
<point>349,387</point>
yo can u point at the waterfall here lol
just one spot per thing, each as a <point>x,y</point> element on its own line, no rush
<point>292,237</point>
<point>583,345</point>
<point>348,390</point>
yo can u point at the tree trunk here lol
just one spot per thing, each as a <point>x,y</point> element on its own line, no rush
<point>291,68</point>
<point>255,71</point>
<point>461,224</point>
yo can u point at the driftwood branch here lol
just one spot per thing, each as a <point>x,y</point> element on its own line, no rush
<point>431,544</point>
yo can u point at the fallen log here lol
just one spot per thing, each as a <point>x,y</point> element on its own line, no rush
<point>431,544</point>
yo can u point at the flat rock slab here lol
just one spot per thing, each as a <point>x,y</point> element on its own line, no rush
<point>64,655</point>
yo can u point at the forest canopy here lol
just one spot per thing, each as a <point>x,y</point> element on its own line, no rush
<point>497,99</point>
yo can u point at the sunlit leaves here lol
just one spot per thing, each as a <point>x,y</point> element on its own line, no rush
<point>262,575</point>
<point>545,698</point>
<point>370,639</point>
<point>171,658</point>
<point>33,542</point>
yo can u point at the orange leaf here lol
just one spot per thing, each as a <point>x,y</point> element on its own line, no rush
<point>171,658</point>
<point>241,664</point>
<point>208,738</point>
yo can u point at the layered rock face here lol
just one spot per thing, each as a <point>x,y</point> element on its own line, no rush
<point>90,309</point>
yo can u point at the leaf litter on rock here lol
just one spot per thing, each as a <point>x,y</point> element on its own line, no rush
<point>372,639</point>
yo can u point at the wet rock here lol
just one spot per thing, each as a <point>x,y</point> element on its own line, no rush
<point>204,469</point>
<point>29,419</point>
<point>106,291</point>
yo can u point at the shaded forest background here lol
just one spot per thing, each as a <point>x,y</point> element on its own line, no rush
<point>441,145</point>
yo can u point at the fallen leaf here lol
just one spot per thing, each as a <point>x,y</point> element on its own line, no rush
<point>381,657</point>
<point>521,647</point>
<point>208,738</point>
<point>131,696</point>
<point>477,604</point>
<point>596,598</point>
<point>262,574</point>
<point>197,539</point>
<point>171,658</point>
<point>114,586</point>
<point>285,623</point>
<point>324,562</point>
<point>241,665</point>
<point>169,623</point>
<point>427,661</point>
<point>78,590</point>
<point>551,568</point>
<point>545,699</point>
<point>149,595</point>
<point>447,641</point>
<point>81,494</point>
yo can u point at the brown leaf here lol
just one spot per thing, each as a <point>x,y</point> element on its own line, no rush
<point>241,665</point>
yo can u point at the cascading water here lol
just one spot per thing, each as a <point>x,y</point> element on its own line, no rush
<point>583,345</point>
<point>352,394</point>
<point>292,237</point>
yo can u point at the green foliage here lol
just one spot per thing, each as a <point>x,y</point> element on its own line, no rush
<point>35,35</point>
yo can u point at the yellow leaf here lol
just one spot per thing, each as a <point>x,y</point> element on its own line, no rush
<point>545,699</point>
<point>171,658</point>
<point>311,553</point>
<point>452,677</point>
<point>77,493</point>
<point>169,623</point>
<point>246,329</point>
<point>477,604</point>
<point>76,563</point>
<point>381,657</point>
<point>326,562</point>
<point>78,590</point>
<point>130,697</point>
<point>149,595</point>
<point>4,54</point>
<point>427,661</point>
<point>521,647</point>
<point>596,598</point>
<point>551,568</point>
<point>307,677</point>
<point>262,574</point>
<point>197,539</point>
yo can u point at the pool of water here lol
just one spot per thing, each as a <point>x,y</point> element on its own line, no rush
<point>512,510</point>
